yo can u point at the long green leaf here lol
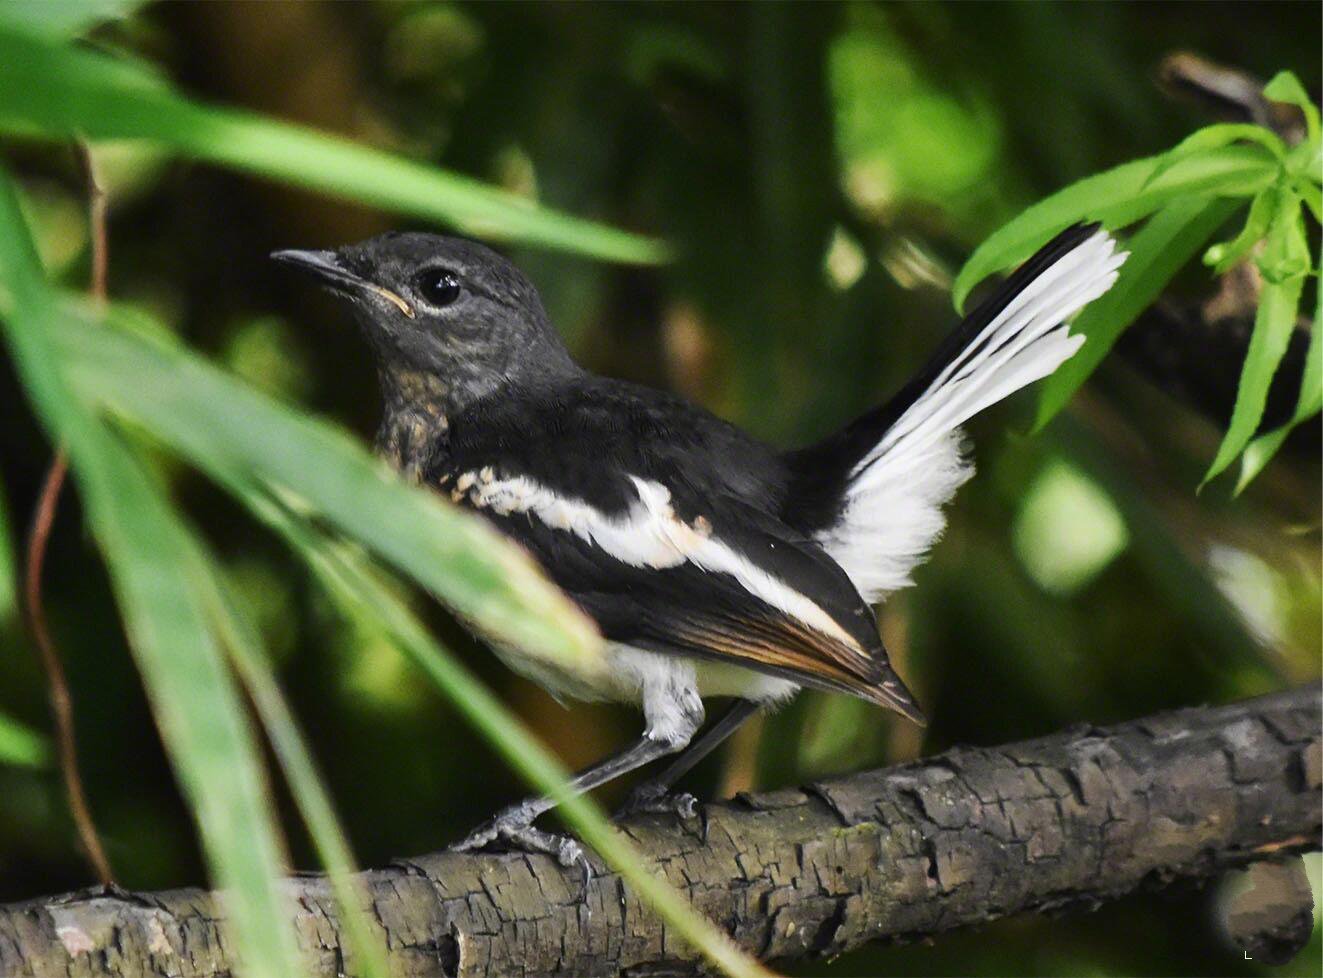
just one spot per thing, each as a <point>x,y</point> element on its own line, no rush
<point>1284,279</point>
<point>366,600</point>
<point>1222,256</point>
<point>56,91</point>
<point>1117,197</point>
<point>21,746</point>
<point>193,695</point>
<point>1260,451</point>
<point>1170,239</point>
<point>305,783</point>
<point>217,422</point>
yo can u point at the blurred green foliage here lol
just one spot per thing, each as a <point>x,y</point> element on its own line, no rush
<point>820,171</point>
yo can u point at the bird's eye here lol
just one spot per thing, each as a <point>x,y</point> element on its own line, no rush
<point>439,286</point>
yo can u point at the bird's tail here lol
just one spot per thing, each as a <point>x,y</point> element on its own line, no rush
<point>872,494</point>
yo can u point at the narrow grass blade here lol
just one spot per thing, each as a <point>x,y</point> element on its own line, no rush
<point>216,421</point>
<point>193,696</point>
<point>52,90</point>
<point>21,746</point>
<point>1117,197</point>
<point>1171,238</point>
<point>306,785</point>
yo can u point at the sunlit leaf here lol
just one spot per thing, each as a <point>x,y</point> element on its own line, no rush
<point>1276,317</point>
<point>1217,136</point>
<point>1117,197</point>
<point>21,746</point>
<point>1260,451</point>
<point>1162,246</point>
<point>193,696</point>
<point>55,91</point>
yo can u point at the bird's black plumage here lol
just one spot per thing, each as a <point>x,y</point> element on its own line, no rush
<point>713,563</point>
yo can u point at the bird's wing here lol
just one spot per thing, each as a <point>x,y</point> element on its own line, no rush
<point>872,493</point>
<point>711,578</point>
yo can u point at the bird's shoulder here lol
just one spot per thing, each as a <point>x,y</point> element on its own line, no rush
<point>589,438</point>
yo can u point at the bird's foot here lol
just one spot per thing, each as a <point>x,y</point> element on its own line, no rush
<point>654,798</point>
<point>513,829</point>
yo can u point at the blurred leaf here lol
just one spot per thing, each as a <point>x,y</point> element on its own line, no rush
<point>1117,197</point>
<point>194,698</point>
<point>217,422</point>
<point>306,785</point>
<point>64,18</point>
<point>1284,279</point>
<point>1164,244</point>
<point>366,600</point>
<point>1285,87</point>
<point>8,573</point>
<point>55,91</point>
<point>21,746</point>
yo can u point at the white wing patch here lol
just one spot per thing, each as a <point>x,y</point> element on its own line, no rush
<point>893,506</point>
<point>648,535</point>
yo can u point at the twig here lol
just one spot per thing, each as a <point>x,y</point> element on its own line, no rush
<point>38,541</point>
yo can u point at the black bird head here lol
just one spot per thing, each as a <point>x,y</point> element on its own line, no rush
<point>447,318</point>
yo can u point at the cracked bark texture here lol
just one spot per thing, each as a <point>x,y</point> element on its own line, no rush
<point>1063,822</point>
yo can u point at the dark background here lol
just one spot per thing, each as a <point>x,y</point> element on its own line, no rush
<point>822,170</point>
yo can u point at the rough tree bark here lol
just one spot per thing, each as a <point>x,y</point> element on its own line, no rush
<point>1066,821</point>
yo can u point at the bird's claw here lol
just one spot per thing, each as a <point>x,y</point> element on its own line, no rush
<point>514,830</point>
<point>657,799</point>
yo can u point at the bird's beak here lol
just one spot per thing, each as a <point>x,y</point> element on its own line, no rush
<point>327,266</point>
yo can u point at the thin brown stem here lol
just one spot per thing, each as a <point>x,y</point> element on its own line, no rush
<point>38,540</point>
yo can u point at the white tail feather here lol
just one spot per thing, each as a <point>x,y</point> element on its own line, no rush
<point>892,513</point>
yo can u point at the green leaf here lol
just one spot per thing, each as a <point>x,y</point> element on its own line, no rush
<point>1217,136</point>
<point>1223,256</point>
<point>1161,247</point>
<point>245,650</point>
<point>55,91</point>
<point>21,746</point>
<point>1117,197</point>
<point>220,424</point>
<point>1286,87</point>
<point>363,598</point>
<point>193,696</point>
<point>1260,451</point>
<point>1278,304</point>
<point>64,18</point>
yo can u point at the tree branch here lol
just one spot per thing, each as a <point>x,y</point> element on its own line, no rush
<point>1066,821</point>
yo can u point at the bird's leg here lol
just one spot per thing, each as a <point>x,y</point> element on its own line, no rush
<point>655,795</point>
<point>514,825</point>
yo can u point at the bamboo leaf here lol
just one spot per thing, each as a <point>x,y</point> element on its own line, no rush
<point>305,783</point>
<point>193,696</point>
<point>1278,304</point>
<point>55,91</point>
<point>218,422</point>
<point>1161,247</point>
<point>1117,197</point>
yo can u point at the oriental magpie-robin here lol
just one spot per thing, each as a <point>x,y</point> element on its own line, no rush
<point>713,564</point>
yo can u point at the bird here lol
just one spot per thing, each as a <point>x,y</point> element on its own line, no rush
<point>714,565</point>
